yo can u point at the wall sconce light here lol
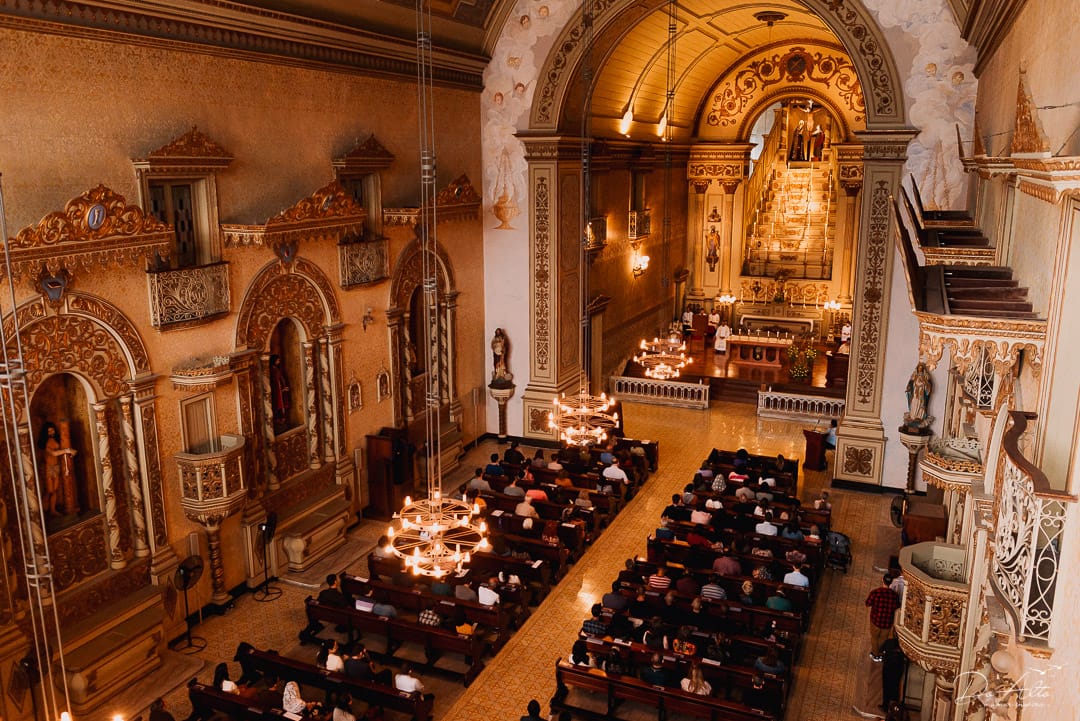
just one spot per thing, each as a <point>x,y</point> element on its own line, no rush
<point>641,264</point>
<point>369,317</point>
<point>626,121</point>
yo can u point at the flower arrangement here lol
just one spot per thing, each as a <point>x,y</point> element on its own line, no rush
<point>801,360</point>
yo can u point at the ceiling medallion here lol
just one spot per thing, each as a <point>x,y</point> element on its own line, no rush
<point>769,17</point>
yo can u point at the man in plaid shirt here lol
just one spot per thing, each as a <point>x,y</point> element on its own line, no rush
<point>883,603</point>
<point>595,626</point>
<point>429,617</point>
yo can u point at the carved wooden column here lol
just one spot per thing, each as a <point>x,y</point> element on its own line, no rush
<point>137,511</point>
<point>101,421</point>
<point>220,595</point>
<point>696,231</point>
<point>860,447</point>
<point>449,365</point>
<point>395,324</point>
<point>339,443</point>
<point>325,395</point>
<point>272,479</point>
<point>312,420</point>
<point>163,558</point>
<point>555,237</point>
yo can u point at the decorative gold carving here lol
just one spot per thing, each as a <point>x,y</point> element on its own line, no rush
<point>459,192</point>
<point>212,484</point>
<point>797,66</point>
<point>877,245</point>
<point>327,214</point>
<point>118,323</point>
<point>186,295</point>
<point>541,272</point>
<point>366,157</point>
<point>914,608</point>
<point>968,337</point>
<point>756,291</point>
<point>202,374</point>
<point>538,420</point>
<point>192,151</point>
<point>102,591</point>
<point>98,227</point>
<point>148,417</point>
<point>363,263</point>
<point>291,451</point>
<point>78,552</point>
<point>457,201</point>
<point>863,35</point>
<point>302,293</point>
<point>1028,137</point>
<point>307,485</point>
<point>858,461</point>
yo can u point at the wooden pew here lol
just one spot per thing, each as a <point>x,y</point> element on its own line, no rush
<point>664,700</point>
<point>206,701</point>
<point>413,704</point>
<point>396,631</point>
<point>499,618</point>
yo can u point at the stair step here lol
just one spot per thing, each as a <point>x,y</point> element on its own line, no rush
<point>987,293</point>
<point>982,283</point>
<point>978,271</point>
<point>966,304</point>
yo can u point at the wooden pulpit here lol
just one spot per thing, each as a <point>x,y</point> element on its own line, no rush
<point>814,459</point>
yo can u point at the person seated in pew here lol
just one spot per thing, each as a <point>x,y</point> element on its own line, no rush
<point>465,592</point>
<point>553,464</point>
<point>583,500</point>
<point>614,600</point>
<point>525,475</point>
<point>382,549</point>
<point>536,494</point>
<point>659,580</point>
<point>746,598</point>
<point>563,479</point>
<point>676,510</point>
<point>607,456</point>
<point>797,577</point>
<point>682,643</point>
<point>629,576</point>
<point>330,657</point>
<point>769,663</point>
<point>621,627</point>
<point>616,474</point>
<point>699,536</point>
<point>406,681</point>
<point>761,508</point>
<point>727,565</point>
<point>688,496</point>
<point>538,459</point>
<point>687,585</point>
<point>656,635</point>
<point>757,696</point>
<point>292,702</point>
<point>792,532</point>
<point>428,616</point>
<point>822,503</point>
<point>766,527</point>
<point>815,534</point>
<point>701,516</point>
<point>222,682</point>
<point>580,656</point>
<point>663,533</point>
<point>712,590</point>
<point>487,594</point>
<point>594,625</point>
<point>719,483</point>
<point>514,490</point>
<point>695,682</point>
<point>512,455</point>
<point>343,708</point>
<point>269,695</point>
<point>439,587</point>
<point>655,674</point>
<point>615,664</point>
<point>494,468</point>
<point>778,601</point>
<point>762,573</point>
<point>359,665</point>
<point>746,493</point>
<point>718,648</point>
<point>478,482</point>
<point>525,509</point>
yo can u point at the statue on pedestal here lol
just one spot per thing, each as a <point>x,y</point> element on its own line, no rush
<point>500,352</point>
<point>917,420</point>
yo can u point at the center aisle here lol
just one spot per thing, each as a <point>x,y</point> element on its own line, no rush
<point>525,668</point>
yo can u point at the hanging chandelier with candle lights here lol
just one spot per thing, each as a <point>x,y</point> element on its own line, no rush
<point>436,535</point>
<point>663,358</point>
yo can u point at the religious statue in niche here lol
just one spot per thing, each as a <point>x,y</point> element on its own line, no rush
<point>712,246</point>
<point>500,352</point>
<point>917,419</point>
<point>817,143</point>
<point>382,385</point>
<point>280,393</point>
<point>60,495</point>
<point>355,400</point>
<point>798,143</point>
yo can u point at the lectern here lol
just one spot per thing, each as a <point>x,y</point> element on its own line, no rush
<point>814,459</point>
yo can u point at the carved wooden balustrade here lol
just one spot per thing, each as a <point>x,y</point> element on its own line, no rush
<point>798,406</point>
<point>665,393</point>
<point>212,484</point>
<point>188,295</point>
<point>1027,539</point>
<point>931,620</point>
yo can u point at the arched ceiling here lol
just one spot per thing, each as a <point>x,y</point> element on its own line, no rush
<point>712,37</point>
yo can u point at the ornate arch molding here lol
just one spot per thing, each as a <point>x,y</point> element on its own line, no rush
<point>409,273</point>
<point>298,290</point>
<point>849,20</point>
<point>821,71</point>
<point>88,336</point>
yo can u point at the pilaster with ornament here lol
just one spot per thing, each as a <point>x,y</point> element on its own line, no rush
<point>849,158</point>
<point>450,364</point>
<point>311,397</point>
<point>138,513</point>
<point>861,436</point>
<point>162,557</point>
<point>724,166</point>
<point>101,422</point>
<point>546,157</point>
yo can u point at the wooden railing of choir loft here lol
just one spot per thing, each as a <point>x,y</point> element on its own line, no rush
<point>761,177</point>
<point>670,393</point>
<point>1028,535</point>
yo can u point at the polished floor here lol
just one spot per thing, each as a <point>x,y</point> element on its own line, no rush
<point>833,673</point>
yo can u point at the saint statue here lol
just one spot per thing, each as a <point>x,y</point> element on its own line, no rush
<point>798,142</point>
<point>817,143</point>
<point>500,351</point>
<point>59,491</point>
<point>280,393</point>
<point>918,389</point>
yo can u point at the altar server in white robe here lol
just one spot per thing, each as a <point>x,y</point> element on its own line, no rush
<point>722,334</point>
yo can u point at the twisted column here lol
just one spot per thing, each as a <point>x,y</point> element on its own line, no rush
<point>217,569</point>
<point>327,402</point>
<point>116,556</point>
<point>314,461</point>
<point>268,424</point>
<point>138,510</point>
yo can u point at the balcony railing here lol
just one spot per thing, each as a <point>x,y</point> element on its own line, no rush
<point>1028,537</point>
<point>188,295</point>
<point>364,262</point>
<point>931,621</point>
<point>212,484</point>
<point>639,225</point>
<point>953,464</point>
<point>798,406</point>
